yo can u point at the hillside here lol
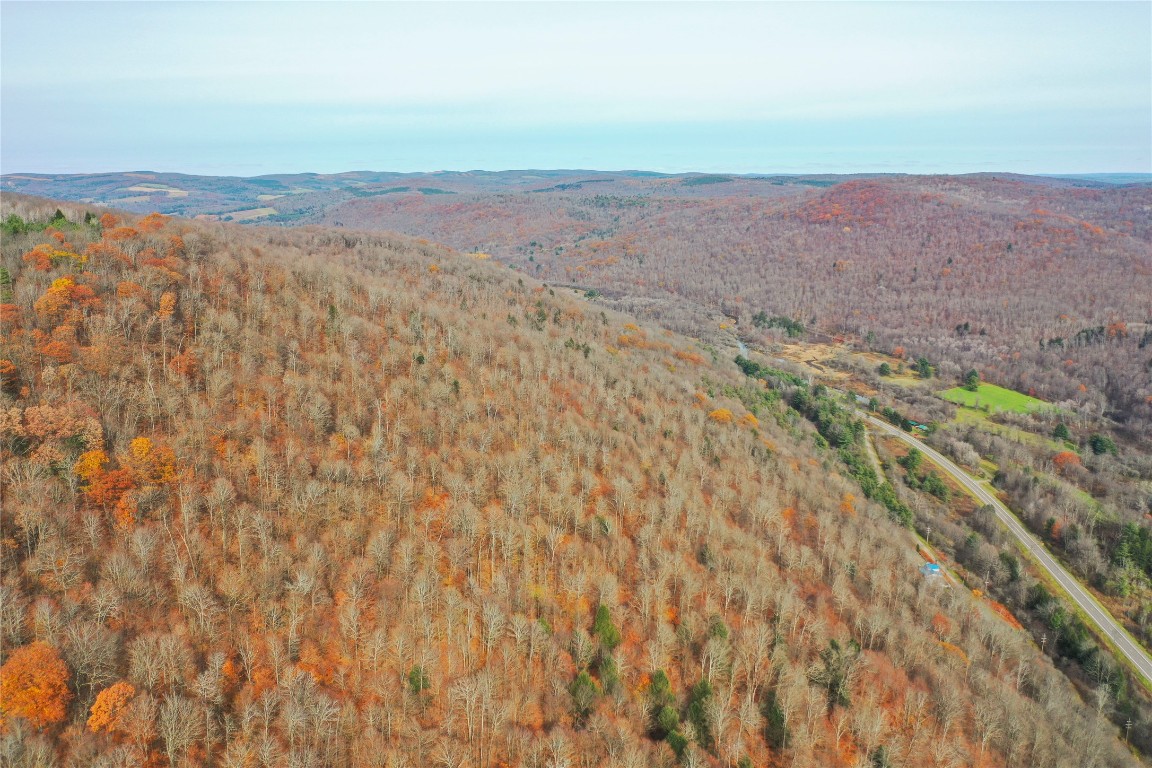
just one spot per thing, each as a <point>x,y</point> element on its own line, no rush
<point>1041,283</point>
<point>322,497</point>
<point>1043,286</point>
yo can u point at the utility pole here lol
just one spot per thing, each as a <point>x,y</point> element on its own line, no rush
<point>1043,641</point>
<point>1127,727</point>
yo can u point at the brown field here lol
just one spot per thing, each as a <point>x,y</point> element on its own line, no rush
<point>152,189</point>
<point>248,215</point>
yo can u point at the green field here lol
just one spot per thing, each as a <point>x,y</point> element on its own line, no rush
<point>993,398</point>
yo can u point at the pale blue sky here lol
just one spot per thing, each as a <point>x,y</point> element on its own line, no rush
<point>250,88</point>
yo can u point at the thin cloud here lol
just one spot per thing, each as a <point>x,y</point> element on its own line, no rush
<point>344,70</point>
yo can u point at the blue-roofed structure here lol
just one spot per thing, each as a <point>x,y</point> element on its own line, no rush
<point>931,571</point>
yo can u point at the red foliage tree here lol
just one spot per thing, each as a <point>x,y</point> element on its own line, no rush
<point>1065,460</point>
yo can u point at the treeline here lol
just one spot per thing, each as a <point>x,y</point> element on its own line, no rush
<point>837,426</point>
<point>793,328</point>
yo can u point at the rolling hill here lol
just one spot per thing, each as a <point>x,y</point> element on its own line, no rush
<point>1042,283</point>
<point>318,496</point>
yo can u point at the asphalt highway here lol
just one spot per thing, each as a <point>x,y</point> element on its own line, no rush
<point>1095,612</point>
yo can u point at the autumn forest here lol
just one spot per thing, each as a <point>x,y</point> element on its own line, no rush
<point>316,496</point>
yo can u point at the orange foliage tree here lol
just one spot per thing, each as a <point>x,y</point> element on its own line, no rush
<point>39,258</point>
<point>121,233</point>
<point>1065,460</point>
<point>90,466</point>
<point>9,315</point>
<point>111,704</point>
<point>106,489</point>
<point>721,415</point>
<point>153,222</point>
<point>185,364</point>
<point>167,305</point>
<point>34,685</point>
<point>129,290</point>
<point>64,293</point>
<point>152,462</point>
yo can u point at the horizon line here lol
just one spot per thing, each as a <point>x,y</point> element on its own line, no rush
<point>736,174</point>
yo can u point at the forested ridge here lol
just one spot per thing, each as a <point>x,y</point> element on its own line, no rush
<point>1042,285</point>
<point>317,497</point>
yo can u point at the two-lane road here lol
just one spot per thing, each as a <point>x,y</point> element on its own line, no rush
<point>1095,612</point>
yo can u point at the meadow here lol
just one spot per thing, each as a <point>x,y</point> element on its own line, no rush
<point>993,398</point>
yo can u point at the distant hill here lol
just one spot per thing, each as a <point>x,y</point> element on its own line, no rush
<point>892,260</point>
<point>1109,178</point>
<point>318,496</point>
<point>1002,272</point>
<point>220,196</point>
<point>1008,274</point>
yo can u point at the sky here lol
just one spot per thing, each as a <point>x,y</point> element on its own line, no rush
<point>247,88</point>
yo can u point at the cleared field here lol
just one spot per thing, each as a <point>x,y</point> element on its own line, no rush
<point>251,213</point>
<point>902,372</point>
<point>993,398</point>
<point>154,188</point>
<point>815,357</point>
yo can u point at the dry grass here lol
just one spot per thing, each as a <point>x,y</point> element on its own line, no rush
<point>152,189</point>
<point>248,215</point>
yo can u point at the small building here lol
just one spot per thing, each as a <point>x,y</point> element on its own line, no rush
<point>931,571</point>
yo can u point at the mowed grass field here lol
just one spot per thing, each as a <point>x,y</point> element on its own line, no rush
<point>993,398</point>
